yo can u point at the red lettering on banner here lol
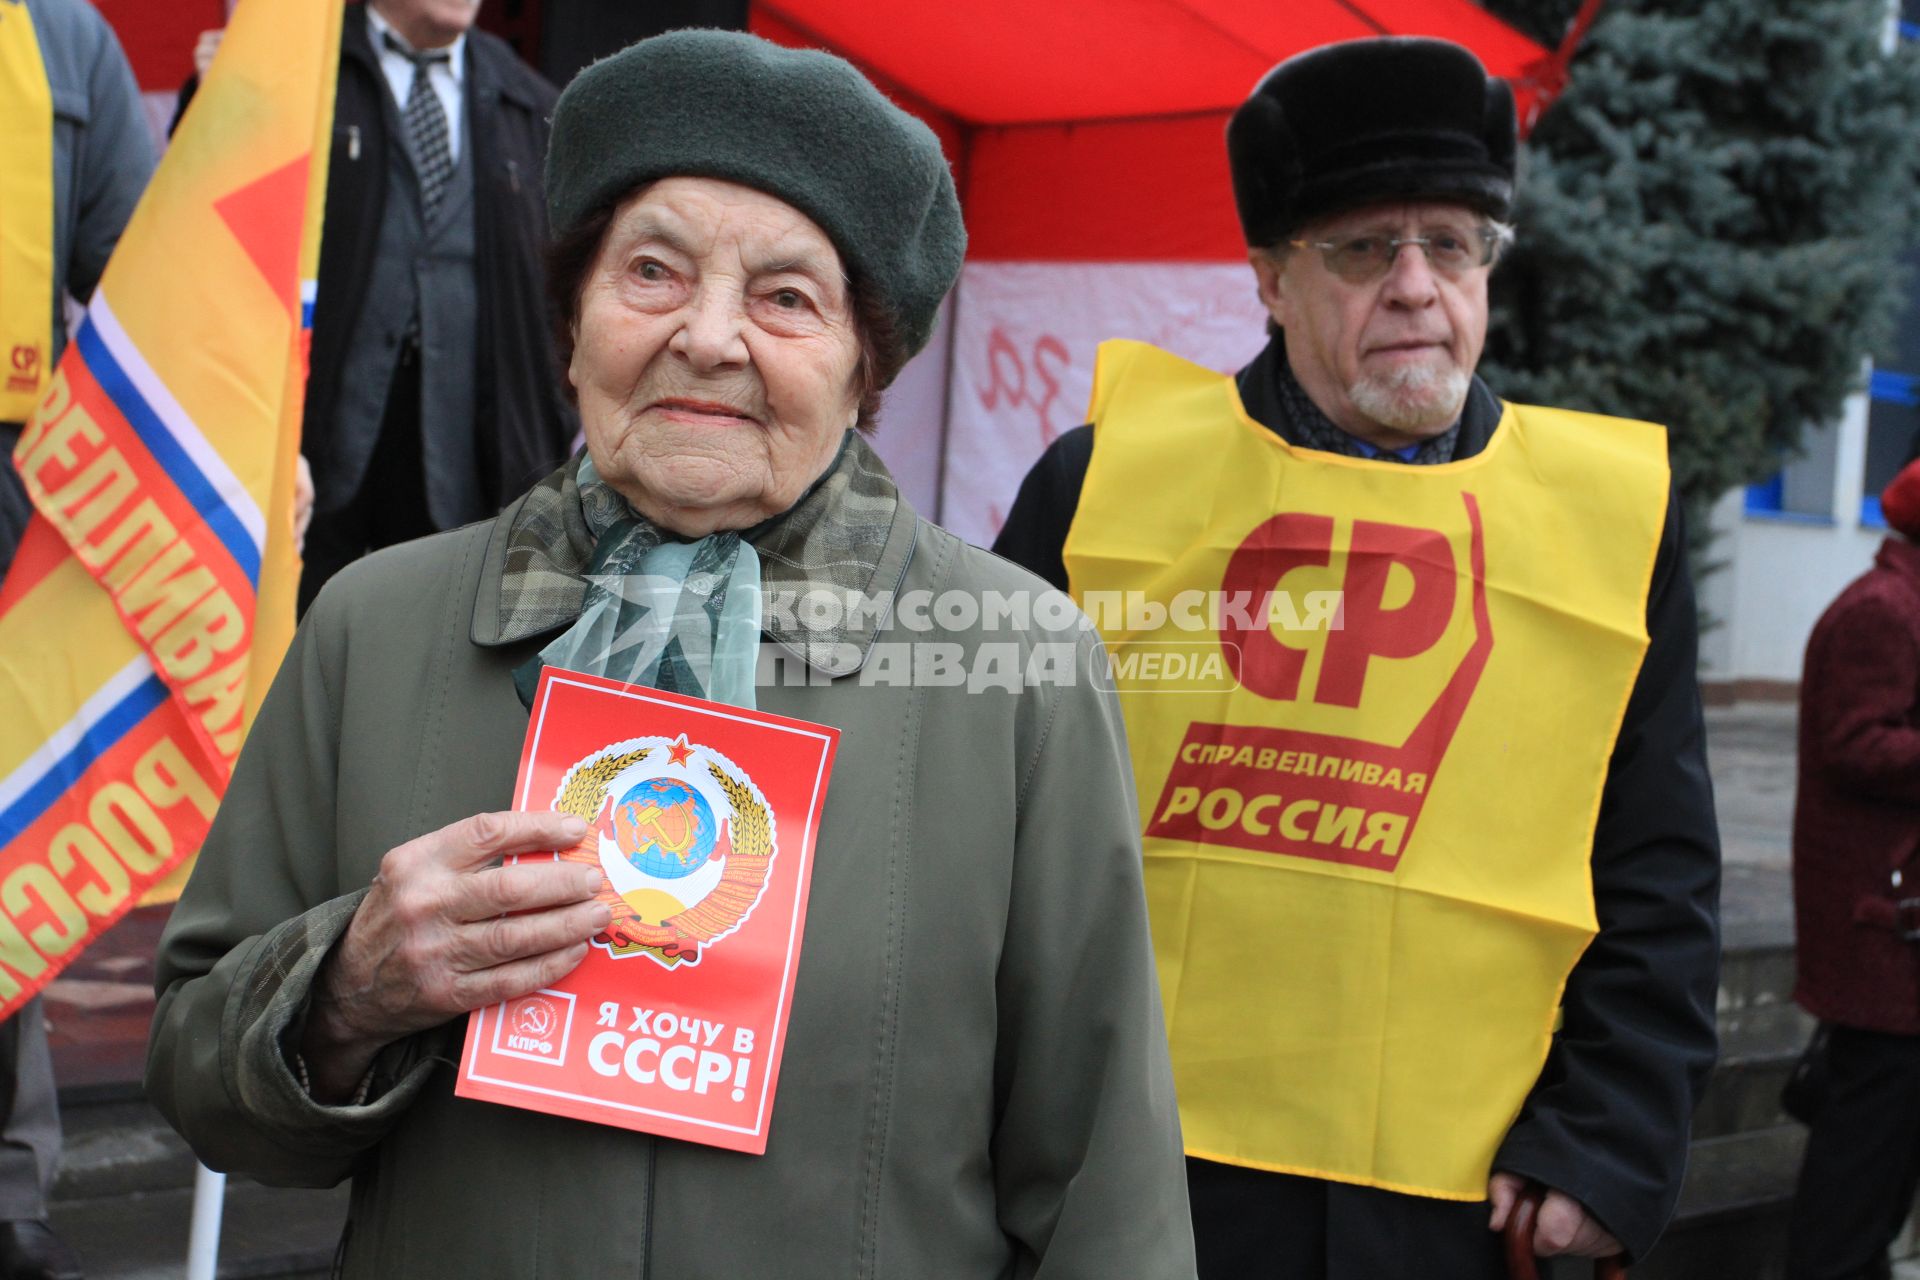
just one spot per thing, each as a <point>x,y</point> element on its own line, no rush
<point>50,440</point>
<point>171,580</point>
<point>1007,377</point>
<point>1324,796</point>
<point>141,536</point>
<point>165,589</point>
<point>95,493</point>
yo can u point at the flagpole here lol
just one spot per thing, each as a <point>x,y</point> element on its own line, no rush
<point>203,1242</point>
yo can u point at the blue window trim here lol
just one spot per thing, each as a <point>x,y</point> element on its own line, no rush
<point>1791,517</point>
<point>1768,496</point>
<point>1766,500</point>
<point>1890,386</point>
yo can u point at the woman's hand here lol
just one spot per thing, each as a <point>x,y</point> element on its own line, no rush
<point>445,931</point>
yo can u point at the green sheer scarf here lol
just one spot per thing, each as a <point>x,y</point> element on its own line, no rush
<point>660,611</point>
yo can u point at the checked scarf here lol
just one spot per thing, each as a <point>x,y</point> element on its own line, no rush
<point>659,612</point>
<point>841,539</point>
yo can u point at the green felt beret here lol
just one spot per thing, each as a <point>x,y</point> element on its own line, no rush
<point>798,124</point>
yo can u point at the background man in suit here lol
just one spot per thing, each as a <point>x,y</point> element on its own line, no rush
<point>433,392</point>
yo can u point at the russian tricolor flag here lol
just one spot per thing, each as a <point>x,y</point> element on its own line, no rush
<point>153,593</point>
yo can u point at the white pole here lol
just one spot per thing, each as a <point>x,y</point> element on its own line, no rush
<point>203,1243</point>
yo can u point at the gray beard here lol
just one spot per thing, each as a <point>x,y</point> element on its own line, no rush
<point>1413,399</point>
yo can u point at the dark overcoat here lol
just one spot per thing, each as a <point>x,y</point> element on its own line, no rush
<point>522,418</point>
<point>974,1083</point>
<point>1607,1122</point>
<point>1856,821</point>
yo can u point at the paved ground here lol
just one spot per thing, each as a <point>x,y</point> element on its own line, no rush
<point>99,1009</point>
<point>1750,749</point>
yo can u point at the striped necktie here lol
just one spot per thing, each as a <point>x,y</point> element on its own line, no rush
<point>426,125</point>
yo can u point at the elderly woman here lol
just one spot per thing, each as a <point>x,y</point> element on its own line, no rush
<point>751,241</point>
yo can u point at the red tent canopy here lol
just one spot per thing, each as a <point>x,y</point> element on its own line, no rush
<point>159,38</point>
<point>1091,129</point>
<point>1086,137</point>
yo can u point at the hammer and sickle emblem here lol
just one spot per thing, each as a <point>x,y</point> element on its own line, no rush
<point>649,823</point>
<point>25,357</point>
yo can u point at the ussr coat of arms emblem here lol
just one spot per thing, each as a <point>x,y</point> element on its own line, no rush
<point>683,839</point>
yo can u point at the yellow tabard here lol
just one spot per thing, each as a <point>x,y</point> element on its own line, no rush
<point>26,216</point>
<point>1370,709</point>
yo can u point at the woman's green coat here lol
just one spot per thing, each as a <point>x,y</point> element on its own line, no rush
<point>975,1081</point>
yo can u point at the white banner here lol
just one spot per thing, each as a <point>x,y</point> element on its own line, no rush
<point>1022,370</point>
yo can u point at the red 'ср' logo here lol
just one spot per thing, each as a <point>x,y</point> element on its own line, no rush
<point>1319,795</point>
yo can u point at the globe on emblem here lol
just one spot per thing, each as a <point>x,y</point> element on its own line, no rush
<point>665,828</point>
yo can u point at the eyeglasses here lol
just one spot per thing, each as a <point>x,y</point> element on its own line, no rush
<point>1451,251</point>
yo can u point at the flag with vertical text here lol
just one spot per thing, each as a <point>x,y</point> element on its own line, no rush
<point>152,596</point>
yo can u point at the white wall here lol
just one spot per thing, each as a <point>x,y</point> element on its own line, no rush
<point>1023,352</point>
<point>911,428</point>
<point>1779,574</point>
<point>1779,579</point>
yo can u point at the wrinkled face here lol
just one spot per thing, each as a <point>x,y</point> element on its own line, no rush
<point>1388,360</point>
<point>715,353</point>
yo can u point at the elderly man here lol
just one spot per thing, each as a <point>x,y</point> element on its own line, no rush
<point>433,397</point>
<point>1429,837</point>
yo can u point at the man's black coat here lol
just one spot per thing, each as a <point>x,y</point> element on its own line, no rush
<point>1608,1120</point>
<point>524,424</point>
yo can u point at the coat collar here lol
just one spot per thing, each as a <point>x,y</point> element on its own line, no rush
<point>355,42</point>
<point>851,536</point>
<point>1260,386</point>
<point>1901,557</point>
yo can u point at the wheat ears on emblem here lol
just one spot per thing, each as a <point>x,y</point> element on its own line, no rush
<point>752,836</point>
<point>586,790</point>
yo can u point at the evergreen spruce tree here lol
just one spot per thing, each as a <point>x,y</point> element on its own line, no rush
<point>1710,220</point>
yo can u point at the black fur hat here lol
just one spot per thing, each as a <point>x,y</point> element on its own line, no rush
<point>1365,121</point>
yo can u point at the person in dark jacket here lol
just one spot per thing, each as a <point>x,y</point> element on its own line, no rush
<point>1856,891</point>
<point>432,395</point>
<point>1371,179</point>
<point>102,156</point>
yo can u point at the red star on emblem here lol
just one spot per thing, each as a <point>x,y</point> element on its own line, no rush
<point>679,751</point>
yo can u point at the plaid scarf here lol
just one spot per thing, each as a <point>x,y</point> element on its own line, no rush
<point>831,540</point>
<point>655,610</point>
